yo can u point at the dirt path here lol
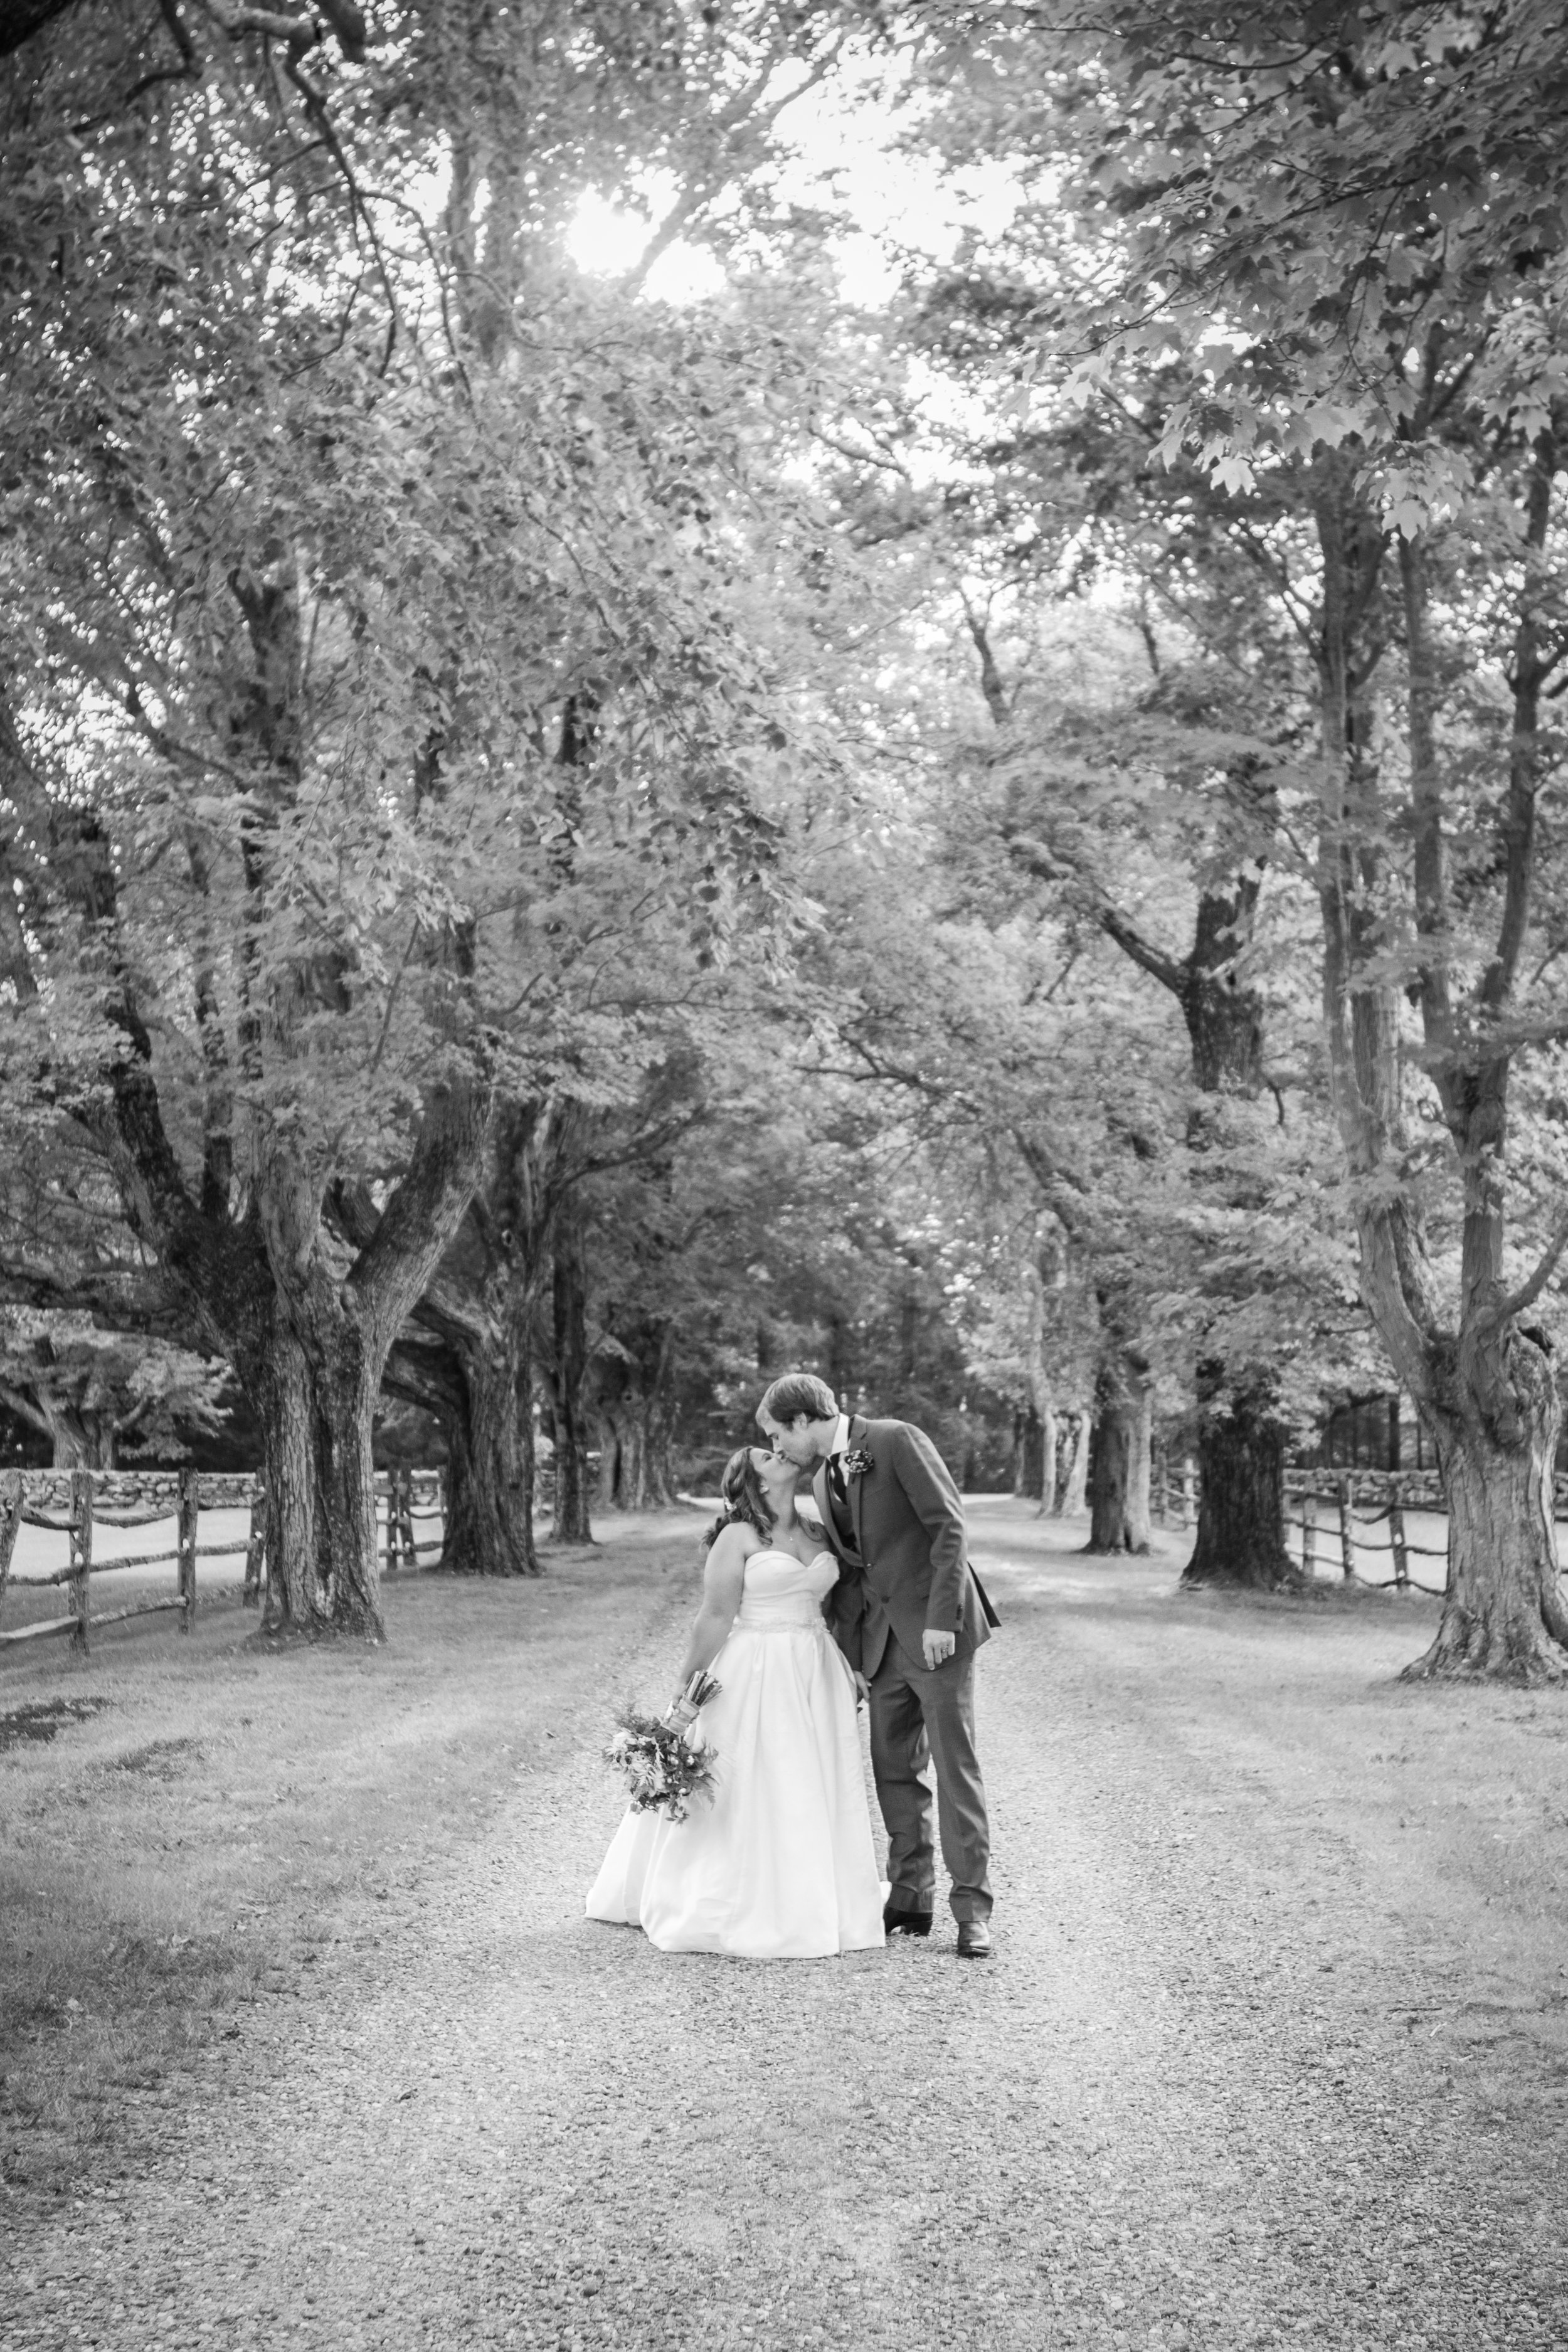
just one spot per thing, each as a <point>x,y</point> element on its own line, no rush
<point>1210,2091</point>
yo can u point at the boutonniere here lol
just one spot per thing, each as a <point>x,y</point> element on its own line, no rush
<point>857,1462</point>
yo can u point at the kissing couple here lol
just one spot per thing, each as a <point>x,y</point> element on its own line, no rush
<point>798,1631</point>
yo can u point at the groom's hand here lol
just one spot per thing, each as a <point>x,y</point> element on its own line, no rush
<point>938,1647</point>
<point>862,1688</point>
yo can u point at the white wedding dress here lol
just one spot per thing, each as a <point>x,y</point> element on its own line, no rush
<point>781,1864</point>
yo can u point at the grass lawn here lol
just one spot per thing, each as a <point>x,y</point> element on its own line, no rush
<point>206,1817</point>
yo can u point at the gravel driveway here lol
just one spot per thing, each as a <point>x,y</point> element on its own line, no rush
<point>1191,2101</point>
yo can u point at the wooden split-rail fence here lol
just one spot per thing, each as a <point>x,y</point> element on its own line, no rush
<point>1173,1492</point>
<point>1369,1511</point>
<point>1355,1512</point>
<point>410,1499</point>
<point>73,1503</point>
<point>1362,1511</point>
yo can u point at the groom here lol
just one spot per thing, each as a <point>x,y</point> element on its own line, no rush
<point>910,1614</point>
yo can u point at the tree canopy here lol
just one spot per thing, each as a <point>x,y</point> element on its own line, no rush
<point>984,823</point>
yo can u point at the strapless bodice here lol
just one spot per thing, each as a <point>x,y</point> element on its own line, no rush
<point>780,1590</point>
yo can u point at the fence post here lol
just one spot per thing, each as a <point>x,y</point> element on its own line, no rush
<point>410,1555</point>
<point>79,1539</point>
<point>1347,1522</point>
<point>1397,1535</point>
<point>185,1545</point>
<point>1309,1533</point>
<point>255,1546</point>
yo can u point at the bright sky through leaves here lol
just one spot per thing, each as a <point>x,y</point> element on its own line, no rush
<point>844,154</point>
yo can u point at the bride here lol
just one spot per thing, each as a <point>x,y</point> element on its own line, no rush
<point>781,1865</point>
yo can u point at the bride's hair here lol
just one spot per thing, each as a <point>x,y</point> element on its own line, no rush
<point>742,1489</point>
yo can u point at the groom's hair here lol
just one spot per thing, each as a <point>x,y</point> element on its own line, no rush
<point>797,1393</point>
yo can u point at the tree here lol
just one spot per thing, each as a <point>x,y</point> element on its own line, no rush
<point>1241,1427</point>
<point>952,1014</point>
<point>97,1395</point>
<point>672,720</point>
<point>223,681</point>
<point>1062,529</point>
<point>1347,227</point>
<point>302,869</point>
<point>224,616</point>
<point>1372,222</point>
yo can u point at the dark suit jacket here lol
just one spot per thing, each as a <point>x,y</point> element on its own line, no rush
<point>909,1566</point>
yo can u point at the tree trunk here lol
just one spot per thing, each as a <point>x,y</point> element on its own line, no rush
<point>632,1408</point>
<point>1503,1614</point>
<point>473,1376</point>
<point>102,1442</point>
<point>79,1441</point>
<point>1119,1472</point>
<point>572,1524</point>
<point>317,1407</point>
<point>1074,1482</point>
<point>1028,1454</point>
<point>1140,1525</point>
<point>1045,1271</point>
<point>295,1601</point>
<point>1241,1497</point>
<point>348,1562</point>
<point>1224,1011</point>
<point>634,1457</point>
<point>623,1461</point>
<point>490,1459</point>
<point>659,1470</point>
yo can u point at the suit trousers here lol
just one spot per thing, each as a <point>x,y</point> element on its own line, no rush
<point>921,1714</point>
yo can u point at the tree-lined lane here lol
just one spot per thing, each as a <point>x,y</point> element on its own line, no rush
<point>1212,2090</point>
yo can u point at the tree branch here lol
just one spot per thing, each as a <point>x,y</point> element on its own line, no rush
<point>990,682</point>
<point>1519,808</point>
<point>427,1205</point>
<point>1062,1193</point>
<point>1037,859</point>
<point>140,1312</point>
<point>297,33</point>
<point>19,1402</point>
<point>1530,1291</point>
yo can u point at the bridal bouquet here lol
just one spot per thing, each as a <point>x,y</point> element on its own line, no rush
<point>664,1767</point>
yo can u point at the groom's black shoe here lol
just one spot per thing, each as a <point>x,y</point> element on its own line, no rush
<point>896,1921</point>
<point>974,1940</point>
